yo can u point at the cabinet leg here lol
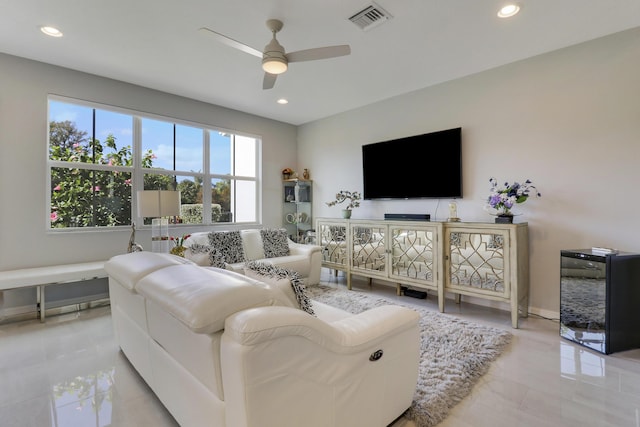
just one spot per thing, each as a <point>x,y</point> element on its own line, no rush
<point>514,310</point>
<point>458,297</point>
<point>335,272</point>
<point>370,282</point>
<point>525,307</point>
<point>398,289</point>
<point>348,281</point>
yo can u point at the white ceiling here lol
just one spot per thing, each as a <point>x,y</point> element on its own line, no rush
<point>155,43</point>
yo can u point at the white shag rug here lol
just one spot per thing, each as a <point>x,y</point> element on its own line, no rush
<point>454,353</point>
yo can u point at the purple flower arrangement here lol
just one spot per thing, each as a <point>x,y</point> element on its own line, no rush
<point>502,199</point>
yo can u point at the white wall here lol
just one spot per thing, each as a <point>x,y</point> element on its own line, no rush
<point>568,120</point>
<point>24,86</point>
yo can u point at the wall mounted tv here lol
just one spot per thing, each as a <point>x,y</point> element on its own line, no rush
<point>414,167</point>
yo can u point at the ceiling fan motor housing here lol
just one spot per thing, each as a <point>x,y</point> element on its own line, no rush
<point>274,60</point>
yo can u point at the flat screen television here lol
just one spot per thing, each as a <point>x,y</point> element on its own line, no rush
<point>414,167</point>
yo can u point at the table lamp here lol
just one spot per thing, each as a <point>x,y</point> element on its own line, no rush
<point>159,204</point>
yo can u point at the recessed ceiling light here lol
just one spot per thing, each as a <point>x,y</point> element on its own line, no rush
<point>508,10</point>
<point>282,101</point>
<point>51,31</point>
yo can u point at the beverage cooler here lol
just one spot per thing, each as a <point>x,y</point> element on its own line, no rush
<point>600,299</point>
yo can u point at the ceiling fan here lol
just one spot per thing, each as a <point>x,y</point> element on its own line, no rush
<point>274,59</point>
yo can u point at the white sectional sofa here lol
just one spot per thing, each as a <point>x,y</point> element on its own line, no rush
<point>223,349</point>
<point>232,253</point>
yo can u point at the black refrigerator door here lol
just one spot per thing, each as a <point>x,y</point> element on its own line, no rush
<point>583,299</point>
<point>623,303</point>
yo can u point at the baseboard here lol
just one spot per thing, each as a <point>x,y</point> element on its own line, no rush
<point>76,300</point>
<point>547,314</point>
<point>499,305</point>
<point>30,312</point>
<point>22,312</point>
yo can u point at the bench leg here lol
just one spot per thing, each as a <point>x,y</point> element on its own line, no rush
<point>41,302</point>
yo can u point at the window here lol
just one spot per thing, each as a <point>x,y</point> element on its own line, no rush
<point>100,157</point>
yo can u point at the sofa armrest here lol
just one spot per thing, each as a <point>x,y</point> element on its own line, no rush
<point>302,249</point>
<point>282,366</point>
<point>350,335</point>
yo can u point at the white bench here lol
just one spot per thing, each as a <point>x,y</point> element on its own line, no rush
<point>43,276</point>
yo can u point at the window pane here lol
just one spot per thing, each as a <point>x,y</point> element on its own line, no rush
<point>220,153</point>
<point>191,210</point>
<point>114,132</point>
<point>245,200</point>
<point>221,201</point>
<point>189,149</point>
<point>172,157</point>
<point>87,198</point>
<point>70,128</point>
<point>158,182</point>
<point>245,158</point>
<point>157,144</point>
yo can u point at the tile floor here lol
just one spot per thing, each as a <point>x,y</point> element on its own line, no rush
<point>68,372</point>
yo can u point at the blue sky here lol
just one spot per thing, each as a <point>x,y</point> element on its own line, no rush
<point>157,135</point>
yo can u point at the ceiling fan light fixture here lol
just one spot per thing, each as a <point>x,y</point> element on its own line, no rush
<point>274,65</point>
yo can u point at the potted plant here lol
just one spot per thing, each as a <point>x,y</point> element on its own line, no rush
<point>179,248</point>
<point>354,198</point>
<point>502,199</point>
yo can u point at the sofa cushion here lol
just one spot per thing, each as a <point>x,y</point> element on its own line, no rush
<point>202,298</point>
<point>252,244</point>
<point>229,243</point>
<point>128,268</point>
<point>275,242</point>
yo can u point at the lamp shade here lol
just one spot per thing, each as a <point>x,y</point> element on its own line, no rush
<point>158,203</point>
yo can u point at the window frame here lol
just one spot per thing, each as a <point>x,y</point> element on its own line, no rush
<point>137,171</point>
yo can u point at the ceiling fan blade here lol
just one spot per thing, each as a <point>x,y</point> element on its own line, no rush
<point>269,80</point>
<point>230,42</point>
<point>319,53</point>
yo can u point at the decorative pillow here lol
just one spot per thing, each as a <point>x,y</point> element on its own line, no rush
<point>275,242</point>
<point>198,253</point>
<point>205,255</point>
<point>229,244</point>
<point>217,259</point>
<point>284,285</point>
<point>269,270</point>
<point>252,244</point>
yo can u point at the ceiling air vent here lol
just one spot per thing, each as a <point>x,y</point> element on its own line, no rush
<point>369,17</point>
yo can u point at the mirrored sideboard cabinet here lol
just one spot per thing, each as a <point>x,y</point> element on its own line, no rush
<point>483,260</point>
